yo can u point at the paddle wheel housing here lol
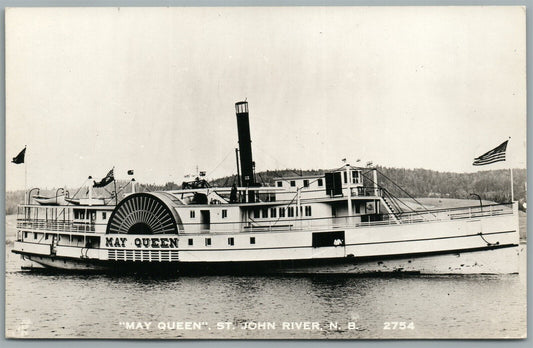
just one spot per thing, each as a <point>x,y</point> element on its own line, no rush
<point>145,213</point>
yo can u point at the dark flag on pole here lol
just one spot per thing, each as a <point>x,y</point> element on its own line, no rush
<point>20,157</point>
<point>106,180</point>
<point>130,172</point>
<point>495,155</point>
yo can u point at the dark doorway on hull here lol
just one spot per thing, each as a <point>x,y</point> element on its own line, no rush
<point>328,239</point>
<point>205,219</point>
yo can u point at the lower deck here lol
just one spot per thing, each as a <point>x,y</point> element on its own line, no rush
<point>463,233</point>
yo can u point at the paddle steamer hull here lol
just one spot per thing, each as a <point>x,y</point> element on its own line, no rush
<point>478,245</point>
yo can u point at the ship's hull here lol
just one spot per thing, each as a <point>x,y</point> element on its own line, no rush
<point>501,259</point>
<point>462,245</point>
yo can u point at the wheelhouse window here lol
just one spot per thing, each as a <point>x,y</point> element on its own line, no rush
<point>281,212</point>
<point>273,212</point>
<point>256,213</point>
<point>264,213</point>
<point>355,177</point>
<point>307,210</point>
<point>345,177</point>
<point>231,241</point>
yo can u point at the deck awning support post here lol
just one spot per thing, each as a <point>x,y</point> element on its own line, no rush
<point>375,179</point>
<point>349,195</point>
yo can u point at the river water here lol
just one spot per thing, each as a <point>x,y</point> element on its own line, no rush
<point>47,305</point>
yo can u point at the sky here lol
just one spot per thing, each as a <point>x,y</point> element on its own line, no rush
<point>153,89</point>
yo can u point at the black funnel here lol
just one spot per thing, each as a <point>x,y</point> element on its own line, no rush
<point>245,144</point>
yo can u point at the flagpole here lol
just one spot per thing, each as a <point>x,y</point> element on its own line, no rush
<point>26,177</point>
<point>115,184</point>
<point>511,170</point>
<point>26,183</point>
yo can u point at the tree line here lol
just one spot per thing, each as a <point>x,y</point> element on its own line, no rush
<point>493,185</point>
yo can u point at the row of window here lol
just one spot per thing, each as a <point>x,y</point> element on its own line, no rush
<point>292,183</point>
<point>280,212</point>
<point>355,177</point>
<point>192,213</point>
<point>231,241</point>
<point>80,214</point>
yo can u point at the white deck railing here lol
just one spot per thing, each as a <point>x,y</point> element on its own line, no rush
<point>283,224</point>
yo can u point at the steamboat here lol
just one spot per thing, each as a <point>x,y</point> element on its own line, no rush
<point>341,221</point>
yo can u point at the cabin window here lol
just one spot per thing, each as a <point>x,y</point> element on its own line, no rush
<point>357,209</point>
<point>93,215</point>
<point>193,214</point>
<point>320,182</point>
<point>207,241</point>
<point>264,213</point>
<point>231,241</point>
<point>46,236</point>
<point>252,240</point>
<point>25,234</point>
<point>104,215</point>
<point>280,184</point>
<point>79,214</point>
<point>190,241</point>
<point>282,212</point>
<point>307,210</point>
<point>273,212</point>
<point>224,213</point>
<point>35,236</point>
<point>355,177</point>
<point>256,213</point>
<point>306,183</point>
<point>293,183</point>
<point>290,211</point>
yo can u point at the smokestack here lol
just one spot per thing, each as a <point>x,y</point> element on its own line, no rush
<point>245,144</point>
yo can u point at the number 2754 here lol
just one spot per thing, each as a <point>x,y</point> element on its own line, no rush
<point>398,325</point>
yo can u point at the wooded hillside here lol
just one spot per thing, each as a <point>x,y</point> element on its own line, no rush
<point>492,185</point>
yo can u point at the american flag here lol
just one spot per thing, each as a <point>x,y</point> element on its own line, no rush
<point>495,155</point>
